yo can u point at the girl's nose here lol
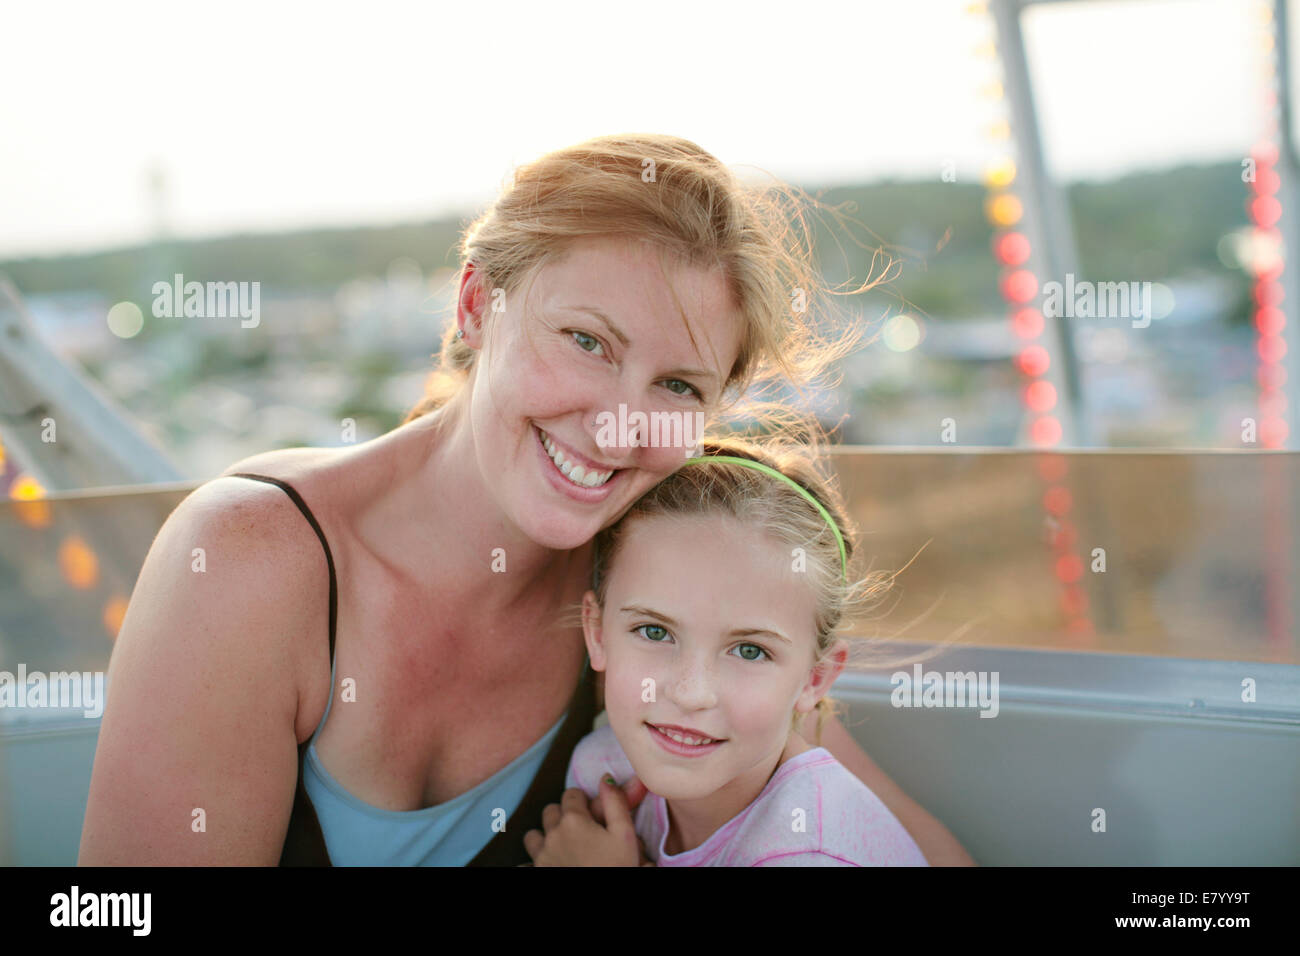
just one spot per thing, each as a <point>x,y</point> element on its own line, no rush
<point>691,685</point>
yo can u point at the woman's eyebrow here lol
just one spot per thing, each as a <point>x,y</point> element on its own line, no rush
<point>613,329</point>
<point>618,334</point>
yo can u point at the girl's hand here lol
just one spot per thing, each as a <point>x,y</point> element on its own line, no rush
<point>575,838</point>
<point>634,791</point>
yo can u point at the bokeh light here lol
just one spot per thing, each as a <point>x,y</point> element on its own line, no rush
<point>1004,210</point>
<point>114,615</point>
<point>78,563</point>
<point>1069,568</point>
<point>1271,348</point>
<point>902,333</point>
<point>1020,286</point>
<point>1045,431</point>
<point>1040,396</point>
<point>1000,175</point>
<point>1265,211</point>
<point>1057,500</point>
<point>125,320</point>
<point>1011,249</point>
<point>1027,323</point>
<point>1033,360</point>
<point>1269,320</point>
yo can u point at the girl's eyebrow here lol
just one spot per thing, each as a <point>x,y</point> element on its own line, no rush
<point>615,331</point>
<point>752,631</point>
<point>639,611</point>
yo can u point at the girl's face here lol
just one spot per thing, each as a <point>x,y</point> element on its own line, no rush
<point>707,632</point>
<point>550,366</point>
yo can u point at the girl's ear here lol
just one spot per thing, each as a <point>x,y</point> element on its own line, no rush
<point>591,631</point>
<point>822,676</point>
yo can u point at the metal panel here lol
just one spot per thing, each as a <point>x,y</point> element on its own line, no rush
<point>1185,773</point>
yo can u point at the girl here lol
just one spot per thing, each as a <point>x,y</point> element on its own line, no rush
<point>720,593</point>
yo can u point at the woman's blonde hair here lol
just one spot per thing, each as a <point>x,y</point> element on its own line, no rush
<point>759,500</point>
<point>673,194</point>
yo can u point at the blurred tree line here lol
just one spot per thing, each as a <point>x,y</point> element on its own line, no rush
<point>1148,226</point>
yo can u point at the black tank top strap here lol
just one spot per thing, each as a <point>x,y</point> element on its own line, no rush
<point>304,842</point>
<point>315,526</point>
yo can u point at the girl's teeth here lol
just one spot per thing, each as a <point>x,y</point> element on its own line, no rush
<point>683,739</point>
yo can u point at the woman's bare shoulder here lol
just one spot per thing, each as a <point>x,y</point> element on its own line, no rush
<point>218,673</point>
<point>288,464</point>
<point>249,539</point>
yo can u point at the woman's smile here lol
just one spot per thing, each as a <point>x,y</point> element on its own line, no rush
<point>578,469</point>
<point>555,459</point>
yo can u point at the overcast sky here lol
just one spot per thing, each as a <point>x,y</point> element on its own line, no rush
<point>273,115</point>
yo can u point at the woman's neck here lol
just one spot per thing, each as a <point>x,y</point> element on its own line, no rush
<point>440,526</point>
<point>692,822</point>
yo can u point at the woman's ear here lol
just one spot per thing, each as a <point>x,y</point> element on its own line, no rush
<point>822,676</point>
<point>470,308</point>
<point>591,631</point>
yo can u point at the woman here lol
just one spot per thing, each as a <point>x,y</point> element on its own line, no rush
<point>627,272</point>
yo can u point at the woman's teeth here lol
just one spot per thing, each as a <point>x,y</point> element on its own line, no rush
<point>575,473</point>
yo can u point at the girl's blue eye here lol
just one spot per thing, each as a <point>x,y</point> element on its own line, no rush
<point>758,656</point>
<point>582,338</point>
<point>657,637</point>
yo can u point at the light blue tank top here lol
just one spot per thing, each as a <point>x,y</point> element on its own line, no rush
<point>449,834</point>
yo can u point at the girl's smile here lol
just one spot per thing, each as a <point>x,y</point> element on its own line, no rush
<point>683,741</point>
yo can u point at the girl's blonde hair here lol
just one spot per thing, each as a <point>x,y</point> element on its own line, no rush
<point>673,194</point>
<point>760,500</point>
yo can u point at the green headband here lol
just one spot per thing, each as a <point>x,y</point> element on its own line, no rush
<point>767,470</point>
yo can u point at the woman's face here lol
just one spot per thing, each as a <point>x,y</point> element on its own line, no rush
<point>551,373</point>
<point>707,632</point>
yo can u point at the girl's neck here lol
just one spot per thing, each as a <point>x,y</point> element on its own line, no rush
<point>692,822</point>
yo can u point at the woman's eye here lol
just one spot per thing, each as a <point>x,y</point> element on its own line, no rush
<point>588,343</point>
<point>751,652</point>
<point>652,632</point>
<point>686,388</point>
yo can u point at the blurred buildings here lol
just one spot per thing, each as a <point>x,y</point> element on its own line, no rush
<point>211,392</point>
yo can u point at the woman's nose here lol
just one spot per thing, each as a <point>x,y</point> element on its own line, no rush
<point>604,427</point>
<point>619,429</point>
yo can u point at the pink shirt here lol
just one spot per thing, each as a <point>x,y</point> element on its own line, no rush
<point>813,812</point>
